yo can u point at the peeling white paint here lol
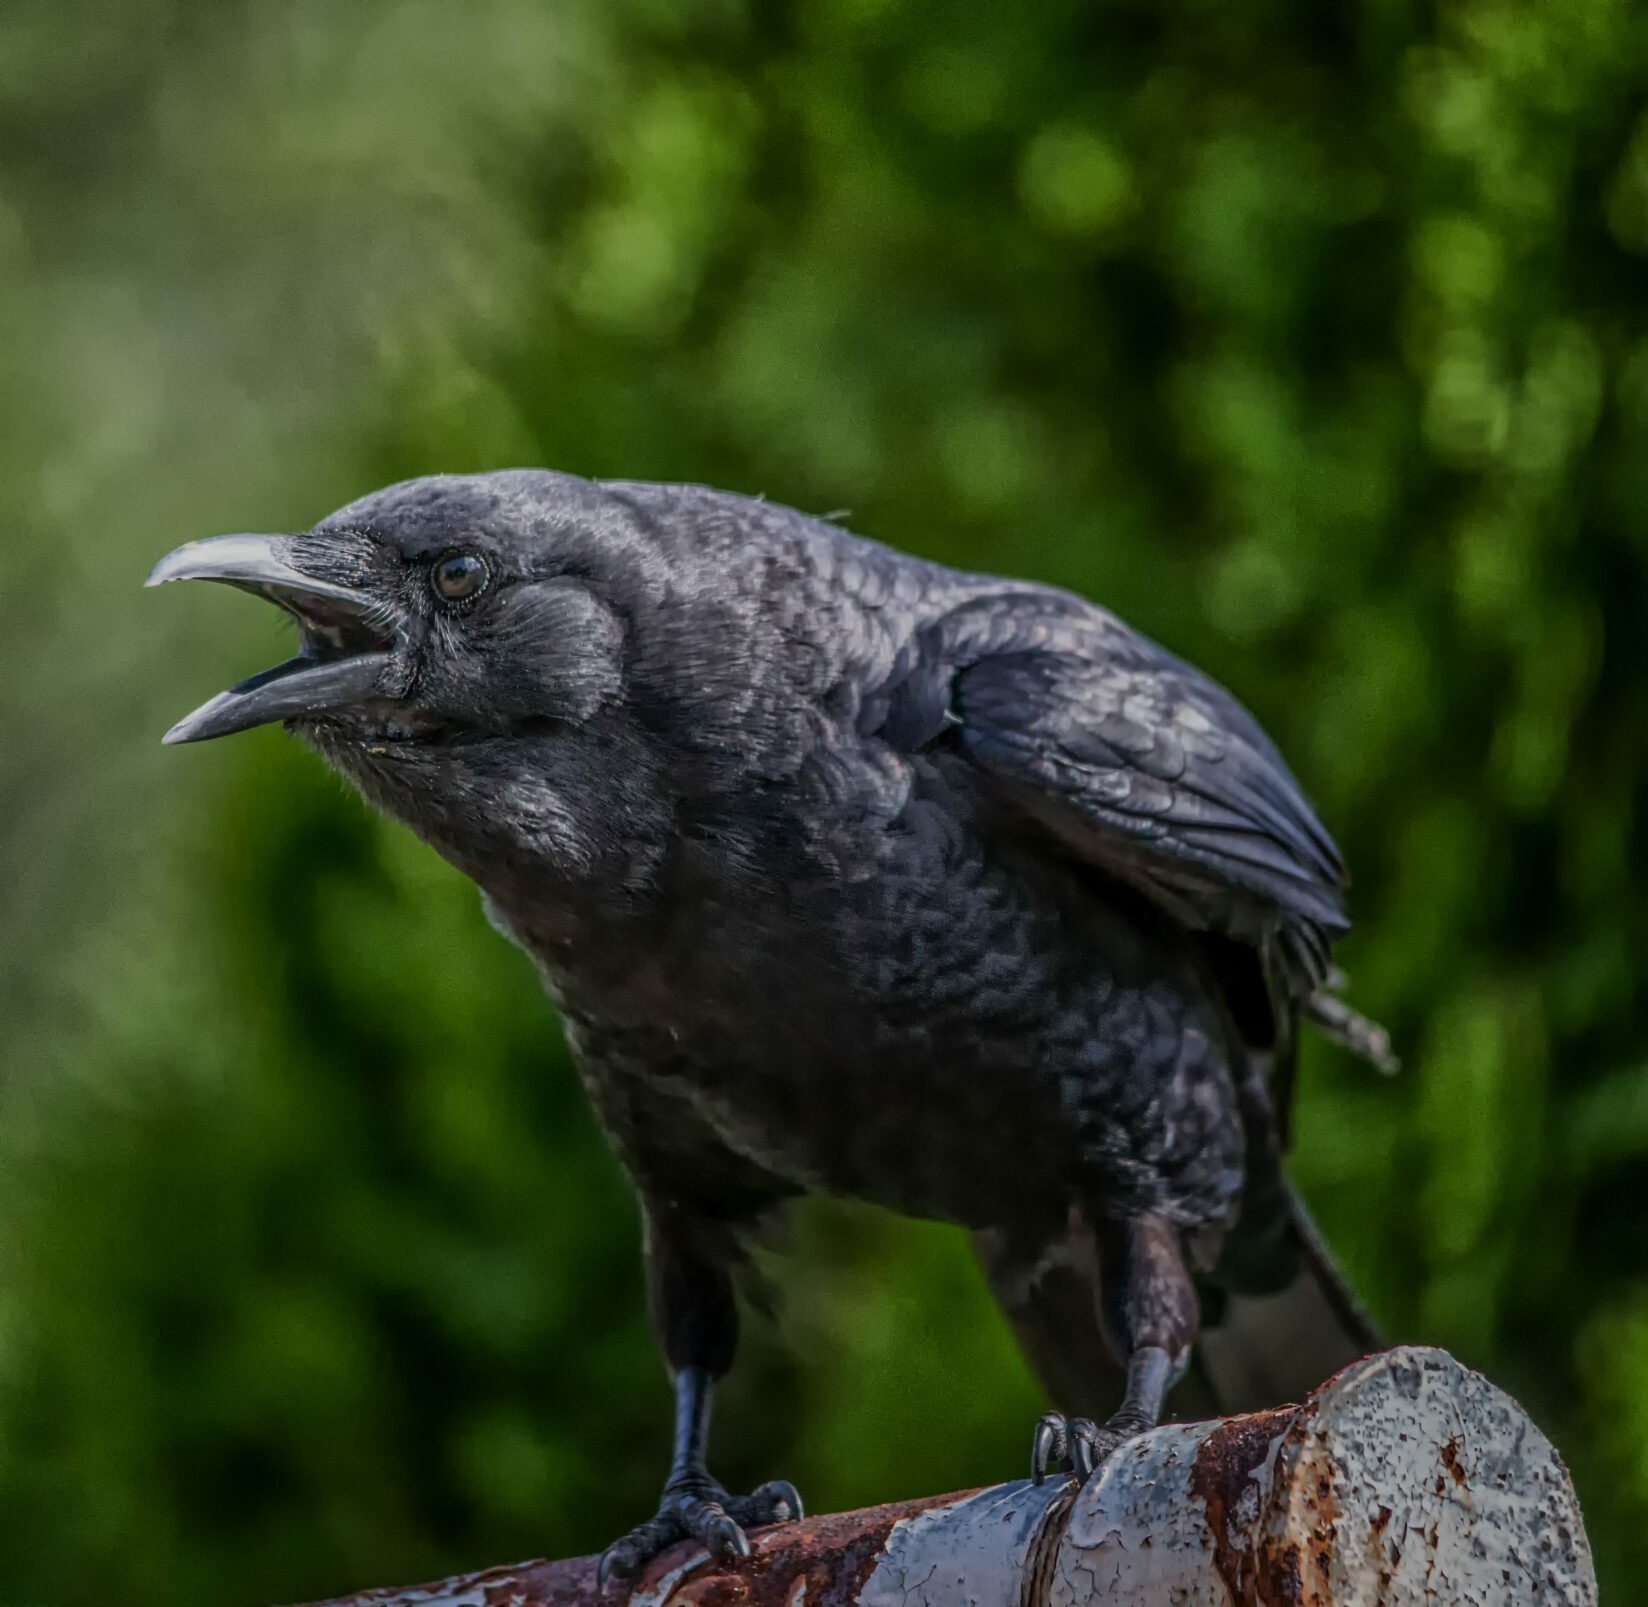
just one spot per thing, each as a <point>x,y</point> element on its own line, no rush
<point>1407,1480</point>
<point>1486,1511</point>
<point>656,1595</point>
<point>468,1591</point>
<point>1137,1534</point>
<point>967,1553</point>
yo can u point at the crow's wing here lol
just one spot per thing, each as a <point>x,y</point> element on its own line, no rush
<point>1140,765</point>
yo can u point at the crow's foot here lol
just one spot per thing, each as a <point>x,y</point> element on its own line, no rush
<point>699,1509</point>
<point>1073,1445</point>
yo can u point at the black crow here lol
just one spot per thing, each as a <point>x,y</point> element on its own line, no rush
<point>853,874</point>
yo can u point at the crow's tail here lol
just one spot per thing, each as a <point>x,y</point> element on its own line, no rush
<point>1261,1350</point>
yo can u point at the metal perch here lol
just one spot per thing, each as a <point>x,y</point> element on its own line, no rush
<point>1405,1479</point>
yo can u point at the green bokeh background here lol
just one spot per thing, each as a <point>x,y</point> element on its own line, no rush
<point>1310,338</point>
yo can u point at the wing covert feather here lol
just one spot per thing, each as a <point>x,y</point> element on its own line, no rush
<point>1139,764</point>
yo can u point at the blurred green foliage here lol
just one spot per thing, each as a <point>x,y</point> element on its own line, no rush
<point>1309,338</point>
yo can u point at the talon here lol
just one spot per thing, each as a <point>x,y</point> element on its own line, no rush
<point>1048,1445</point>
<point>722,1538</point>
<point>781,1499</point>
<point>777,1501</point>
<point>697,1508</point>
<point>1084,1449</point>
<point>1073,1445</point>
<point>627,1556</point>
<point>615,1564</point>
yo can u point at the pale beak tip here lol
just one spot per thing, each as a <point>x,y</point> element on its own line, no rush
<point>230,558</point>
<point>197,723</point>
<point>168,567</point>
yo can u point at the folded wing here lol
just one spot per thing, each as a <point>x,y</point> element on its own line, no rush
<point>1140,765</point>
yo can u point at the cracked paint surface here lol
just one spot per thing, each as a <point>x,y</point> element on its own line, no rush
<point>967,1553</point>
<point>1406,1479</point>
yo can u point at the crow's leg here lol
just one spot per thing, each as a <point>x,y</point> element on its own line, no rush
<point>695,1316</point>
<point>1148,1308</point>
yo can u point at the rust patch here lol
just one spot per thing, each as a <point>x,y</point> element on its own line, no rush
<point>1295,1557</point>
<point>1450,1459</point>
<point>1280,1577</point>
<point>822,1562</point>
<point>718,1589</point>
<point>1382,1559</point>
<point>1041,1565</point>
<point>526,1584</point>
<point>1226,1463</point>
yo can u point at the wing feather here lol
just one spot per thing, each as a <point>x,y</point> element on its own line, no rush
<point>1139,764</point>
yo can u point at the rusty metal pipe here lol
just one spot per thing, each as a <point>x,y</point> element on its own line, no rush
<point>1405,1479</point>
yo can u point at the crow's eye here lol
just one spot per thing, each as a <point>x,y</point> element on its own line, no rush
<point>458,577</point>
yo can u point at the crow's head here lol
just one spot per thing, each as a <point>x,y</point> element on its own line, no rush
<point>450,631</point>
<point>437,611</point>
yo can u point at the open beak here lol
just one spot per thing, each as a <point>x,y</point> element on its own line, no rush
<point>347,655</point>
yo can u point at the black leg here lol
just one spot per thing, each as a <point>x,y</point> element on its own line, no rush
<point>1149,1311</point>
<point>694,1388</point>
<point>696,1319</point>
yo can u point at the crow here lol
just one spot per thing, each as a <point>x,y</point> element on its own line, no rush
<point>853,874</point>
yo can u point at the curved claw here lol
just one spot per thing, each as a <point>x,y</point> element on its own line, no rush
<point>1069,1444</point>
<point>781,1499</point>
<point>1049,1444</point>
<point>700,1510</point>
<point>721,1537</point>
<point>626,1557</point>
<point>1084,1449</point>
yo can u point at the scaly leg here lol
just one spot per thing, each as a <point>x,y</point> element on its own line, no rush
<point>696,1319</point>
<point>1149,1311</point>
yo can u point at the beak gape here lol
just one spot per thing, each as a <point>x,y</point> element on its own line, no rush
<point>345,658</point>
